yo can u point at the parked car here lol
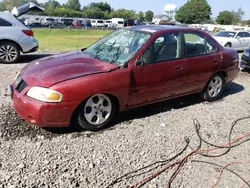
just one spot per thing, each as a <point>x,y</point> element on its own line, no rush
<point>245,59</point>
<point>66,21</point>
<point>15,37</point>
<point>97,23</point>
<point>48,22</point>
<point>238,40</point>
<point>108,23</point>
<point>86,23</point>
<point>128,68</point>
<point>77,23</point>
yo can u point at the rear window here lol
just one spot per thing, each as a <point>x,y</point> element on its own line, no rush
<point>99,21</point>
<point>108,21</point>
<point>225,34</point>
<point>4,23</point>
<point>120,22</point>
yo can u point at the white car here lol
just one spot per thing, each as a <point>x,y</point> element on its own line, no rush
<point>239,40</point>
<point>15,37</point>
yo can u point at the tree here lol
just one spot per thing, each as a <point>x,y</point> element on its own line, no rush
<point>73,4</point>
<point>2,6</point>
<point>123,13</point>
<point>50,6</point>
<point>237,16</point>
<point>149,16</point>
<point>225,18</point>
<point>102,6</point>
<point>141,16</point>
<point>194,11</point>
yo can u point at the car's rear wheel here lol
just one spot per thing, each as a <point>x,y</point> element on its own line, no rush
<point>9,52</point>
<point>214,88</point>
<point>228,45</point>
<point>96,112</point>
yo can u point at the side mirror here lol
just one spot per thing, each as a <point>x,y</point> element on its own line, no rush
<point>238,37</point>
<point>140,61</point>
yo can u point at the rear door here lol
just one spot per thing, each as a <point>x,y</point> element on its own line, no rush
<point>202,59</point>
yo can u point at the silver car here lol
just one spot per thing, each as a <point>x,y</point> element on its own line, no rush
<point>15,37</point>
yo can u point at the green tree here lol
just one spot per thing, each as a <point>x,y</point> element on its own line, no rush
<point>237,16</point>
<point>2,6</point>
<point>194,11</point>
<point>225,18</point>
<point>50,6</point>
<point>149,16</point>
<point>123,13</point>
<point>141,16</point>
<point>73,4</point>
<point>102,6</point>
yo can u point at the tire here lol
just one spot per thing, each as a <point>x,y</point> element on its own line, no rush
<point>9,52</point>
<point>96,112</point>
<point>214,88</point>
<point>228,45</point>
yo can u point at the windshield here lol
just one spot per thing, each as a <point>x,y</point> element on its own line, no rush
<point>225,34</point>
<point>118,47</point>
<point>99,21</point>
<point>120,22</point>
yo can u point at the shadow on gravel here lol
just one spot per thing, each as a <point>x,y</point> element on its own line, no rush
<point>182,102</point>
<point>27,58</point>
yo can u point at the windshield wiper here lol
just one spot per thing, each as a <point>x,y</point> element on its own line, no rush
<point>116,55</point>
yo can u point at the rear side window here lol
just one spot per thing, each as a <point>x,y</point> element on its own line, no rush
<point>197,45</point>
<point>4,23</point>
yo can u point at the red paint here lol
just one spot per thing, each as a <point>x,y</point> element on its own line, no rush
<point>78,77</point>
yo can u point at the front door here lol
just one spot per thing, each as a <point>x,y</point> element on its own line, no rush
<point>160,72</point>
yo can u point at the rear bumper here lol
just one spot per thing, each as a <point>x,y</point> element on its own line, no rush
<point>232,74</point>
<point>41,113</point>
<point>29,44</point>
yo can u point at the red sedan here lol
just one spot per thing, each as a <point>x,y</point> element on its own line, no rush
<point>128,68</point>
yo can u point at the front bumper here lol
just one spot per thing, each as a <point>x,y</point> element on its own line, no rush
<point>41,113</point>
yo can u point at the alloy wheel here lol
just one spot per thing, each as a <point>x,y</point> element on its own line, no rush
<point>97,109</point>
<point>215,86</point>
<point>8,53</point>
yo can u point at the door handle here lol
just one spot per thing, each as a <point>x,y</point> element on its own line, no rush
<point>178,68</point>
<point>215,61</point>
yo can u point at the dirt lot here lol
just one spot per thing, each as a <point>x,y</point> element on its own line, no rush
<point>32,157</point>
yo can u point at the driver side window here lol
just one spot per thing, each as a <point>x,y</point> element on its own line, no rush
<point>164,48</point>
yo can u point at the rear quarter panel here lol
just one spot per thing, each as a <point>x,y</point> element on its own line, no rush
<point>230,63</point>
<point>115,83</point>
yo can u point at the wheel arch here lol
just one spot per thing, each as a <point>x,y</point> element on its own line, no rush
<point>113,98</point>
<point>12,41</point>
<point>223,73</point>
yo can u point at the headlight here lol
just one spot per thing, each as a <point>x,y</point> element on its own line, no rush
<point>44,94</point>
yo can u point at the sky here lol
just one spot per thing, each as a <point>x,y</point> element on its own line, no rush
<point>157,7</point>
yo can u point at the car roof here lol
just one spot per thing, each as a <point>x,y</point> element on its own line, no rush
<point>156,28</point>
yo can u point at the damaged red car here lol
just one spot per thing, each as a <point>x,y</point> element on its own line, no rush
<point>128,68</point>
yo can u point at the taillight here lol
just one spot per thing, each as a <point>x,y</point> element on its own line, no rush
<point>29,32</point>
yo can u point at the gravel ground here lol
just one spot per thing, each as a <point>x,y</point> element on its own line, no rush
<point>33,157</point>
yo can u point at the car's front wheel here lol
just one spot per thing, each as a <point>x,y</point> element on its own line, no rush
<point>9,52</point>
<point>96,112</point>
<point>214,88</point>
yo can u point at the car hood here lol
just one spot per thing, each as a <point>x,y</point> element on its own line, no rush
<point>48,71</point>
<point>18,11</point>
<point>221,39</point>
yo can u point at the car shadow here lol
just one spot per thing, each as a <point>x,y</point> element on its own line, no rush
<point>246,71</point>
<point>27,58</point>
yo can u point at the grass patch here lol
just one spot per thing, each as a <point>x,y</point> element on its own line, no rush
<point>66,39</point>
